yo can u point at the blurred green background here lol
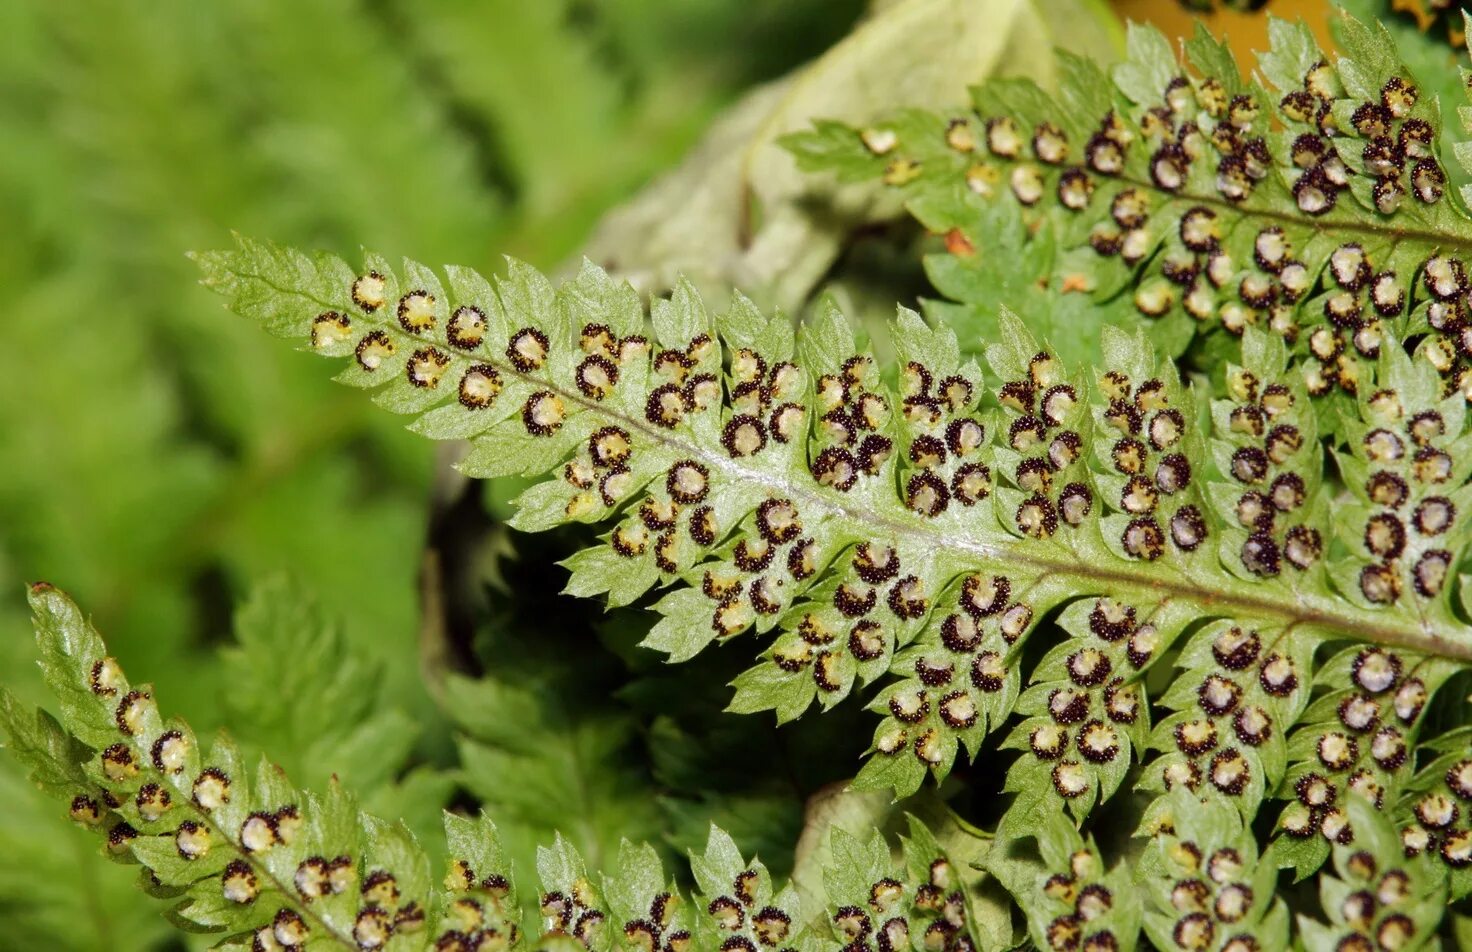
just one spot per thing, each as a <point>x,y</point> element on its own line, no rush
<point>159,456</point>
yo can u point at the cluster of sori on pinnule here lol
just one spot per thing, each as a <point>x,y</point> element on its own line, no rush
<point>1205,883</point>
<point>1202,883</point>
<point>1379,895</point>
<point>1075,902</point>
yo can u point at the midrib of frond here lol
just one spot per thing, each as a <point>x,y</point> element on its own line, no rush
<point>1325,614</point>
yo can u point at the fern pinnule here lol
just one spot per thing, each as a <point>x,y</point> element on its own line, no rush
<point>1206,885</point>
<point>1380,895</point>
<point>1075,900</point>
<point>1432,816</point>
<point>928,906</point>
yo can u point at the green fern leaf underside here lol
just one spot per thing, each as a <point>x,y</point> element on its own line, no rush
<point>272,867</point>
<point>915,533</point>
<point>1310,199</point>
<point>1288,538</point>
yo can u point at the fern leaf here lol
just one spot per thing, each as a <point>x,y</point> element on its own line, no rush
<point>1206,886</point>
<point>922,530</point>
<point>251,858</point>
<point>1432,53</point>
<point>247,855</point>
<point>1198,200</point>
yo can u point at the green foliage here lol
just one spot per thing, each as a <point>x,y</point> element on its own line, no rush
<point>63,897</point>
<point>297,687</point>
<point>776,482</point>
<point>249,856</point>
<point>1175,549</point>
<point>158,485</point>
<point>545,751</point>
<point>1311,199</point>
<point>1419,23</point>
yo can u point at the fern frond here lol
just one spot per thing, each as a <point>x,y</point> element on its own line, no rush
<point>272,867</point>
<point>1310,200</point>
<point>777,483</point>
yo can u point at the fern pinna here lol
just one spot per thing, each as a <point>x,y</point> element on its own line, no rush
<point>1250,579</point>
<point>1309,199</point>
<point>244,853</point>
